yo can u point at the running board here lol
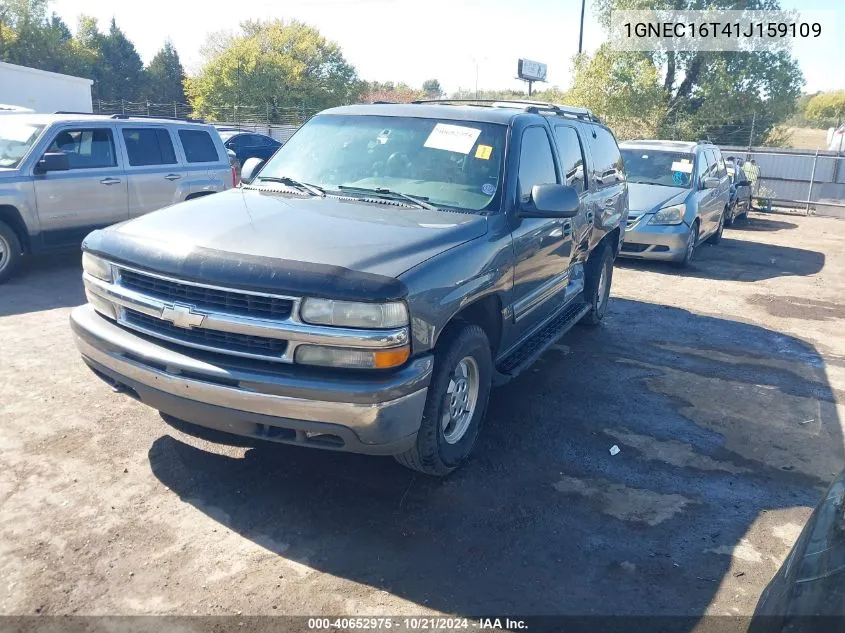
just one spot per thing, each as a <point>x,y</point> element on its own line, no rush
<point>534,347</point>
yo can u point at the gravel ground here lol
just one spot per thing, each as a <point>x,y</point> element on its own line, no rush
<point>722,386</point>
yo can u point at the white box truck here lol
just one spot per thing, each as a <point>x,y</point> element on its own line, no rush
<point>42,91</point>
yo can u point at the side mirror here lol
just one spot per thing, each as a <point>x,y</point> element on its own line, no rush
<point>743,183</point>
<point>250,169</point>
<point>711,183</point>
<point>551,201</point>
<point>52,161</point>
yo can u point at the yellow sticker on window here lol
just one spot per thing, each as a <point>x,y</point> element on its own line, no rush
<point>483,152</point>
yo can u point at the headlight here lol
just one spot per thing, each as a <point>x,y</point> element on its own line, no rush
<point>351,358</point>
<point>97,267</point>
<point>670,215</point>
<point>354,314</point>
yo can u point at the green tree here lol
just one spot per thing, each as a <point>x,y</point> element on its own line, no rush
<point>826,109</point>
<point>432,89</point>
<point>389,91</point>
<point>122,73</point>
<point>274,64</point>
<point>623,88</point>
<point>165,77</point>
<point>721,95</point>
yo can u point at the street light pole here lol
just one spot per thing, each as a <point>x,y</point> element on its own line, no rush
<point>581,33</point>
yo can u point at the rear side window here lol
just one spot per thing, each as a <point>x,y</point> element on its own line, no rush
<point>86,149</point>
<point>536,165</point>
<point>149,146</point>
<point>608,160</point>
<point>571,156</point>
<point>198,146</point>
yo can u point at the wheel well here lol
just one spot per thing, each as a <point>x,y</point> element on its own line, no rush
<point>486,313</point>
<point>11,216</point>
<point>613,239</point>
<point>198,194</point>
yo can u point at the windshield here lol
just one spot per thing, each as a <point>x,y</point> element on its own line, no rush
<point>16,137</point>
<point>455,164</point>
<point>653,167</point>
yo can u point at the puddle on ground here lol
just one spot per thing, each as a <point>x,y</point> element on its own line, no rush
<point>673,452</point>
<point>624,503</point>
<point>764,425</point>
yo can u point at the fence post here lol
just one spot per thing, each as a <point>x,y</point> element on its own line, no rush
<point>175,114</point>
<point>148,108</point>
<point>812,180</point>
<point>122,106</point>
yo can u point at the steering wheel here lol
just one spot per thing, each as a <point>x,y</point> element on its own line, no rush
<point>396,163</point>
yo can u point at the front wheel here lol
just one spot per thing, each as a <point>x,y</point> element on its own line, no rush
<point>689,250</point>
<point>598,277</point>
<point>456,402</point>
<point>10,251</point>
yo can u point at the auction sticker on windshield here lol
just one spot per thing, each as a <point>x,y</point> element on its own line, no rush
<point>682,166</point>
<point>452,138</point>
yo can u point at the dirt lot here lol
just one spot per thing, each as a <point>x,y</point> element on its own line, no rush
<point>720,385</point>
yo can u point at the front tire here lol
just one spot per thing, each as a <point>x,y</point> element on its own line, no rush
<point>599,276</point>
<point>692,242</point>
<point>10,251</point>
<point>456,402</point>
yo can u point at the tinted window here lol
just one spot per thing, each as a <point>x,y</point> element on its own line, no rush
<point>198,146</point>
<point>571,156</point>
<point>149,146</point>
<point>608,161</point>
<point>536,165</point>
<point>86,149</point>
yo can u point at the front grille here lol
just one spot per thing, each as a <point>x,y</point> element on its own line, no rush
<point>212,299</point>
<point>225,342</point>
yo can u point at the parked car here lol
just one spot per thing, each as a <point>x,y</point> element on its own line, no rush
<point>62,175</point>
<point>366,289</point>
<point>807,594</point>
<point>248,145</point>
<point>741,195</point>
<point>680,195</point>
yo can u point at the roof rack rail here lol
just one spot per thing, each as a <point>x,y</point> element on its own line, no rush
<point>77,113</point>
<point>527,105</point>
<point>151,116</point>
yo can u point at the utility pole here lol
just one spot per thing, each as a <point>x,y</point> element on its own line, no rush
<point>581,33</point>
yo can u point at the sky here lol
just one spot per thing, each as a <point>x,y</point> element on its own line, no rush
<point>454,41</point>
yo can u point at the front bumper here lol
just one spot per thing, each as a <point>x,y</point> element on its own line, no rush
<point>378,414</point>
<point>647,241</point>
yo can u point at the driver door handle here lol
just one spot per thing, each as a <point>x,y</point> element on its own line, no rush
<point>172,177</point>
<point>110,181</point>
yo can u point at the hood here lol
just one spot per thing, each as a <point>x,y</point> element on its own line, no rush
<point>251,238</point>
<point>644,198</point>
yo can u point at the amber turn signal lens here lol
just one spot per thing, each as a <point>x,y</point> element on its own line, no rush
<point>391,357</point>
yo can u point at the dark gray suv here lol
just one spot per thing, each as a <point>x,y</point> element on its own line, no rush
<point>370,284</point>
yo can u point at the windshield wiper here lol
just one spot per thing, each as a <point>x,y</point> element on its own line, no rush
<point>420,201</point>
<point>296,184</point>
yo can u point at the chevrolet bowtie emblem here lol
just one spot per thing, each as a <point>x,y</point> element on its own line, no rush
<point>182,316</point>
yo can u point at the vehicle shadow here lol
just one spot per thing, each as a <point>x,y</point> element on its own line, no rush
<point>757,223</point>
<point>43,283</point>
<point>719,422</point>
<point>739,260</point>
